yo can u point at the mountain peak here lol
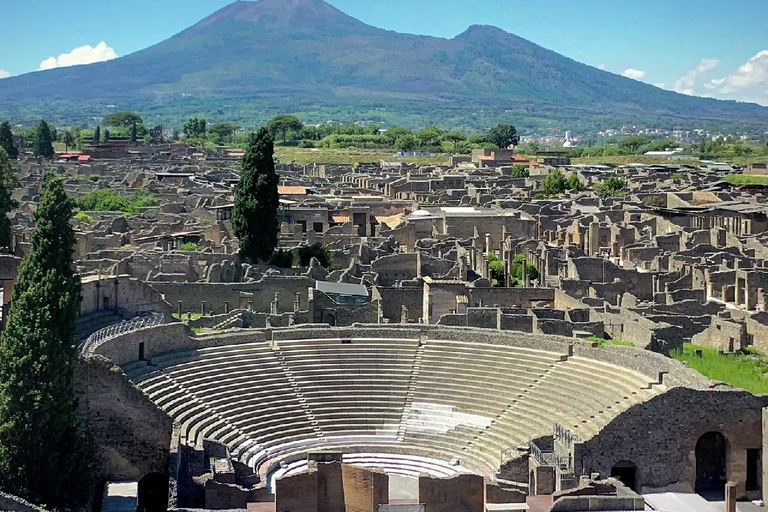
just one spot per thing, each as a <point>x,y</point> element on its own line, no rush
<point>295,14</point>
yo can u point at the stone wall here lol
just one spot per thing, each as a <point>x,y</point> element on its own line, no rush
<point>392,300</point>
<point>216,294</point>
<point>462,493</point>
<point>130,294</point>
<point>660,437</point>
<point>131,435</point>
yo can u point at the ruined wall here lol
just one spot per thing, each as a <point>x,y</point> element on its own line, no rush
<point>462,493</point>
<point>298,492</point>
<point>660,437</point>
<point>391,300</point>
<point>229,496</point>
<point>131,435</point>
<point>157,340</point>
<point>133,295</point>
<point>216,294</point>
<point>524,298</point>
<point>364,490</point>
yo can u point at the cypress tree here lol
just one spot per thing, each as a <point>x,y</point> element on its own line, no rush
<point>97,135</point>
<point>254,219</point>
<point>107,135</point>
<point>41,443</point>
<point>43,140</point>
<point>134,134</point>
<point>6,140</point>
<point>7,203</point>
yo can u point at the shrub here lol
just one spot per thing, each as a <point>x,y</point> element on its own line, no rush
<point>306,143</point>
<point>189,247</point>
<point>601,342</point>
<point>496,266</point>
<point>307,252</point>
<point>94,177</point>
<point>654,201</point>
<point>282,258</point>
<point>83,218</point>
<point>107,200</point>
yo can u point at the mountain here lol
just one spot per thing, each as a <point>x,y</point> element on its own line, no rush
<point>305,55</point>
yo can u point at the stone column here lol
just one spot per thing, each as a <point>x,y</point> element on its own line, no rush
<point>730,497</point>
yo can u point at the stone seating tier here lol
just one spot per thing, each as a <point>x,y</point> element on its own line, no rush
<point>438,399</point>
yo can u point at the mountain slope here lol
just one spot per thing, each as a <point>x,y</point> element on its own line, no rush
<point>311,52</point>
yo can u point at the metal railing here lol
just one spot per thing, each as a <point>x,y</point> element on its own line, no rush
<point>113,331</point>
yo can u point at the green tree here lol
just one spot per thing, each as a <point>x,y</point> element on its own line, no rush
<point>7,203</point>
<point>68,139</point>
<point>195,128</point>
<point>574,183</point>
<point>42,455</point>
<point>6,140</point>
<point>554,184</point>
<point>322,253</point>
<point>405,142</point>
<point>107,135</point>
<point>282,124</point>
<point>611,187</point>
<point>520,171</point>
<point>97,135</point>
<point>43,140</point>
<point>223,132</point>
<point>496,266</point>
<point>254,219</point>
<point>504,135</point>
<point>521,267</point>
<point>122,120</point>
<point>134,133</point>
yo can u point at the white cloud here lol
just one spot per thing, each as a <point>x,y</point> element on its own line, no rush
<point>4,74</point>
<point>660,85</point>
<point>602,66</point>
<point>748,83</point>
<point>83,55</point>
<point>634,74</point>
<point>687,83</point>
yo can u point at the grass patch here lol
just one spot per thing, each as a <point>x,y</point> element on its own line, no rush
<point>746,179</point>
<point>601,342</point>
<point>745,371</point>
<point>185,316</point>
<point>189,247</point>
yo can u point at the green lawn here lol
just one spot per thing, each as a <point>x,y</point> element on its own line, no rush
<point>601,342</point>
<point>304,156</point>
<point>746,179</point>
<point>745,371</point>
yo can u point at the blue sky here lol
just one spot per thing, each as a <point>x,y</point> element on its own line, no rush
<point>703,47</point>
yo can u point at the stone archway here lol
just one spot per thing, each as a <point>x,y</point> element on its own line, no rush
<point>626,472</point>
<point>153,493</point>
<point>711,457</point>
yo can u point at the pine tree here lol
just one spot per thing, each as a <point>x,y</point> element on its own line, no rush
<point>134,134</point>
<point>43,140</point>
<point>97,135</point>
<point>254,218</point>
<point>7,203</point>
<point>41,444</point>
<point>6,140</point>
<point>107,135</point>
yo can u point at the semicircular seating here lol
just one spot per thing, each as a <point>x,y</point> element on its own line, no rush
<point>437,400</point>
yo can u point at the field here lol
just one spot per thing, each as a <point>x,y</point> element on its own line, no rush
<point>745,371</point>
<point>746,179</point>
<point>303,156</point>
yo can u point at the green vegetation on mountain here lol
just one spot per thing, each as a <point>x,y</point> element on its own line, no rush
<point>306,58</point>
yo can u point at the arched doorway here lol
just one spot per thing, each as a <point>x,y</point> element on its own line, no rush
<point>711,453</point>
<point>626,472</point>
<point>153,493</point>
